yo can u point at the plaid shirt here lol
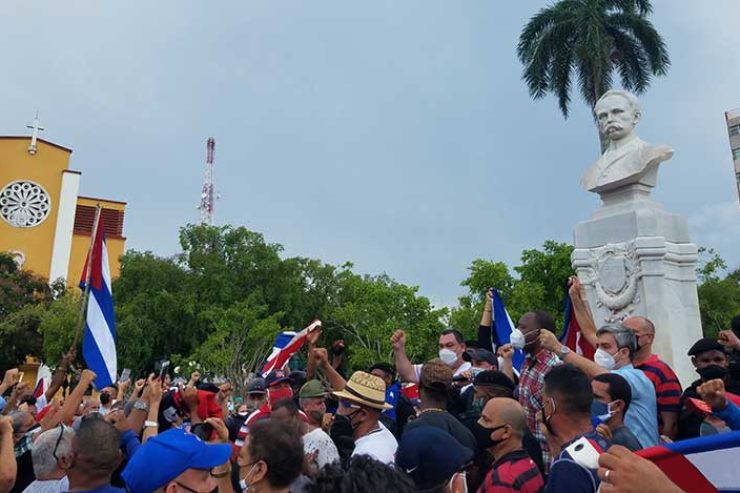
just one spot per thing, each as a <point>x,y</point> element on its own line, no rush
<point>531,385</point>
<point>24,444</point>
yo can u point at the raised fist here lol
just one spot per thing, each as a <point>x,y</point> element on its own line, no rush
<point>398,340</point>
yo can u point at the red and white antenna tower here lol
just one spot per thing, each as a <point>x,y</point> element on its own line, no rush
<point>207,196</point>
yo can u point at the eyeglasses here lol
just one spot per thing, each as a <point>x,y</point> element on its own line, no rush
<point>59,440</point>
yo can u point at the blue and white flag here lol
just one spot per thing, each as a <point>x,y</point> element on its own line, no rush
<point>99,340</point>
<point>502,327</point>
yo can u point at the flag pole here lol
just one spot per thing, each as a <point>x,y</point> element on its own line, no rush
<point>88,271</point>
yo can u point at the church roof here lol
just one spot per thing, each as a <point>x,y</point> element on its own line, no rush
<point>39,139</point>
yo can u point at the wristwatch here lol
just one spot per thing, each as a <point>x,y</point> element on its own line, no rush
<point>140,405</point>
<point>563,352</point>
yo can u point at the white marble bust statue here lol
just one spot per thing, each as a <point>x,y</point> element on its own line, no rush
<point>627,159</point>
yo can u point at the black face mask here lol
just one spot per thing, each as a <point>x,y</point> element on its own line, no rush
<point>483,436</point>
<point>712,372</point>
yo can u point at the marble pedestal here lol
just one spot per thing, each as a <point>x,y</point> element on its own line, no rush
<point>635,258</point>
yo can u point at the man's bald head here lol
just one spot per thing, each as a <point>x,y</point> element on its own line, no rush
<point>641,324</point>
<point>509,412</point>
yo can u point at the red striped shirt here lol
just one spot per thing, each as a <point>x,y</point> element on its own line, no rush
<point>515,472</point>
<point>667,387</point>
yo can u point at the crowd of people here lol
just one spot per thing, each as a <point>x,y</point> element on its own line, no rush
<point>561,423</point>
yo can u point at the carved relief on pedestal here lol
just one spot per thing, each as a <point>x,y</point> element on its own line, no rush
<point>615,272</point>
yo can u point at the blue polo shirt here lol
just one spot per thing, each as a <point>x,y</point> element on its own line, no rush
<point>642,415</point>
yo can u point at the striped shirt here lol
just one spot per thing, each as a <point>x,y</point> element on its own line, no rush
<point>515,472</point>
<point>667,387</point>
<point>531,385</point>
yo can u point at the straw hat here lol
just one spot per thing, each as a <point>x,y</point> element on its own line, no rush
<point>364,389</point>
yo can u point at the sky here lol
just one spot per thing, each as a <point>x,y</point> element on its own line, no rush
<point>396,135</point>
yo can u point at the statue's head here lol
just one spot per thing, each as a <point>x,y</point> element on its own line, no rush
<point>617,113</point>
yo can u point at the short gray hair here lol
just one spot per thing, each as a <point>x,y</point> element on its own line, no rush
<point>628,96</point>
<point>624,336</point>
<point>42,452</point>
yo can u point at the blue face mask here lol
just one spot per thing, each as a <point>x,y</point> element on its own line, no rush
<point>600,412</point>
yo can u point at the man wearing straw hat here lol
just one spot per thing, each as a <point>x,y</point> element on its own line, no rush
<point>361,403</point>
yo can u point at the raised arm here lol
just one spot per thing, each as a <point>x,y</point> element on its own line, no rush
<point>584,317</point>
<point>8,465</point>
<point>322,360</point>
<point>311,340</point>
<point>403,366</point>
<point>59,375</point>
<point>549,341</point>
<point>72,402</point>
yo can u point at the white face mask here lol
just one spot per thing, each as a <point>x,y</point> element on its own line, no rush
<point>448,356</point>
<point>243,482</point>
<point>604,359</point>
<point>517,339</point>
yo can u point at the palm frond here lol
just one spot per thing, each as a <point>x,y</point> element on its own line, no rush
<point>643,31</point>
<point>641,7</point>
<point>631,62</point>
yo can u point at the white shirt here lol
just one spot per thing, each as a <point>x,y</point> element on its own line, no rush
<point>380,444</point>
<point>318,440</point>
<point>48,486</point>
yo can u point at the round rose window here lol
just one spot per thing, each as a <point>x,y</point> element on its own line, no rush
<point>24,204</point>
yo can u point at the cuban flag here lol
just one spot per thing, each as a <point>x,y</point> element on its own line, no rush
<point>502,327</point>
<point>99,340</point>
<point>708,464</point>
<point>572,335</point>
<point>285,346</point>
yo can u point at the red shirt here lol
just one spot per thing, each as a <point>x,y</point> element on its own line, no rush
<point>515,472</point>
<point>667,387</point>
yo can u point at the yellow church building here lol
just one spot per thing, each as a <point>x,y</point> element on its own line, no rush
<point>44,223</point>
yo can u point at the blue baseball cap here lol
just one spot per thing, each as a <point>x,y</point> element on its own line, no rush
<point>431,456</point>
<point>164,457</point>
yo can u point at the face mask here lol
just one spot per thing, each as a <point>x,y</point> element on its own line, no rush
<point>483,436</point>
<point>604,359</point>
<point>712,372</point>
<point>316,416</point>
<point>243,482</point>
<point>448,356</point>
<point>517,339</point>
<point>280,394</point>
<point>600,412</point>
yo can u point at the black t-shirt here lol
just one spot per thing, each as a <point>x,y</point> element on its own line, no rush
<point>446,422</point>
<point>25,474</point>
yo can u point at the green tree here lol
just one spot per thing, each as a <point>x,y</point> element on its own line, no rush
<point>239,338</point>
<point>541,284</point>
<point>543,278</point>
<point>370,308</point>
<point>590,40</point>
<point>23,296</point>
<point>483,274</point>
<point>719,292</point>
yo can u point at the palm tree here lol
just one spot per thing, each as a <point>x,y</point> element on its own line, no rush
<point>590,39</point>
